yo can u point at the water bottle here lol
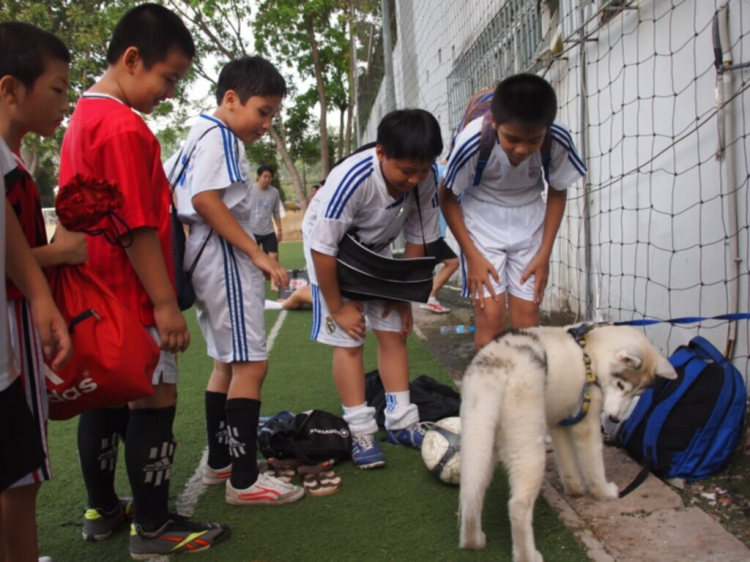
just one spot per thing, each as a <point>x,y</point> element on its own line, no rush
<point>454,330</point>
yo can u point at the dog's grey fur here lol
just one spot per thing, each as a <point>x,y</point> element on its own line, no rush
<point>518,388</point>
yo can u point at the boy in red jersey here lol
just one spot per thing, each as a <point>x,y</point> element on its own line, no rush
<point>33,98</point>
<point>150,51</point>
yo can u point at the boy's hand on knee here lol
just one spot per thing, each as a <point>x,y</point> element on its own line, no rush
<point>351,318</point>
<point>271,269</point>
<point>404,310</point>
<point>478,271</point>
<point>173,331</point>
<point>539,268</point>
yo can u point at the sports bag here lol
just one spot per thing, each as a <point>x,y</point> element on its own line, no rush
<point>434,400</point>
<point>113,357</point>
<point>480,107</point>
<point>688,427</point>
<point>183,279</point>
<point>311,437</point>
<point>364,274</point>
<point>298,278</point>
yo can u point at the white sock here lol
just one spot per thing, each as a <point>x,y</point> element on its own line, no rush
<point>272,305</point>
<point>400,413</point>
<point>361,419</point>
<point>432,300</point>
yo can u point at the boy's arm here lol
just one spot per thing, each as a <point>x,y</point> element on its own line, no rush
<point>24,271</point>
<point>539,266</point>
<point>348,315</point>
<point>145,255</point>
<point>478,268</point>
<point>279,231</point>
<point>66,247</point>
<point>209,205</point>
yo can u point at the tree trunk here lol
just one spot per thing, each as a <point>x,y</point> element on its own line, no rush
<point>321,97</point>
<point>340,153</point>
<point>291,168</point>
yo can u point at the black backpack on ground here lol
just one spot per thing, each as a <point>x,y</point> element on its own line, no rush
<point>311,437</point>
<point>434,400</point>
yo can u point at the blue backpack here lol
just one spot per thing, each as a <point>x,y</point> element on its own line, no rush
<point>688,427</point>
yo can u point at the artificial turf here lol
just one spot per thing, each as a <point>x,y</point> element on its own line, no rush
<point>398,513</point>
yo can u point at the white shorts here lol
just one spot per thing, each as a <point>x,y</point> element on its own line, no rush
<point>509,237</point>
<point>325,330</point>
<point>166,368</point>
<point>230,298</point>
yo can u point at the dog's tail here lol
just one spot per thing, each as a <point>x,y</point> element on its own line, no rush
<point>482,396</point>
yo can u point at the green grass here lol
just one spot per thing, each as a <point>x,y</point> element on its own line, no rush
<point>397,513</point>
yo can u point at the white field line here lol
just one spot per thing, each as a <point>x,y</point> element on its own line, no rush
<point>194,487</point>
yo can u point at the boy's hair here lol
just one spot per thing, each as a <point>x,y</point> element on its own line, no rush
<point>248,77</point>
<point>154,31</point>
<point>525,99</point>
<point>410,134</point>
<point>26,49</point>
<point>266,169</point>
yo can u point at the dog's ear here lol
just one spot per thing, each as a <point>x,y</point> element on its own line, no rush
<point>631,357</point>
<point>664,369</point>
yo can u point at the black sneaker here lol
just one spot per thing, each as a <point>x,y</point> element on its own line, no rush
<point>179,534</point>
<point>99,525</point>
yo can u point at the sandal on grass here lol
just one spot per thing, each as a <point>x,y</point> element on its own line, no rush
<point>319,480</point>
<point>281,469</point>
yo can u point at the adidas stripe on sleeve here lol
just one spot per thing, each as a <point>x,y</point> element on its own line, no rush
<point>566,166</point>
<point>462,163</point>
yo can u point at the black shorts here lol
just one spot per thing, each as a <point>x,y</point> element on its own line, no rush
<point>21,449</point>
<point>440,250</point>
<point>268,242</point>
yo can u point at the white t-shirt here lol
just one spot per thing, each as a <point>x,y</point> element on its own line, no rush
<point>7,365</point>
<point>504,184</point>
<point>355,195</point>
<point>214,159</point>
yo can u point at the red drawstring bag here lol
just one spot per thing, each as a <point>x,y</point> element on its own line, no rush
<point>113,357</point>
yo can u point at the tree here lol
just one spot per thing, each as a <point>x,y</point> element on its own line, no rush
<point>218,29</point>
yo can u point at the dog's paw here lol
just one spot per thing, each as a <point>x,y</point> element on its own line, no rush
<point>574,488</point>
<point>609,492</point>
<point>536,556</point>
<point>477,541</point>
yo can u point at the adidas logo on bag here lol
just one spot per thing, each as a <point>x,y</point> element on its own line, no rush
<point>86,386</point>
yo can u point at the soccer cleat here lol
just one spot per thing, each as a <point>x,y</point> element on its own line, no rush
<point>267,490</point>
<point>211,477</point>
<point>434,306</point>
<point>366,453</point>
<point>99,525</point>
<point>411,436</point>
<point>179,534</point>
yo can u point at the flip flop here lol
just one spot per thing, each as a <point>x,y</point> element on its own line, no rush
<point>281,469</point>
<point>319,480</point>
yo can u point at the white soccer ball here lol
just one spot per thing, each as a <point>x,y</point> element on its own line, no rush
<point>440,450</point>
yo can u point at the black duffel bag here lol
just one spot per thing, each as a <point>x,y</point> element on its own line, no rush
<point>311,437</point>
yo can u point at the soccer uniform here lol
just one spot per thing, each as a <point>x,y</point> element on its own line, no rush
<point>229,289</point>
<point>355,196</point>
<point>505,213</point>
<point>107,140</point>
<point>22,380</point>
<point>265,204</point>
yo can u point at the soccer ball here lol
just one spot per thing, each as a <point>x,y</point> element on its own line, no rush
<point>440,450</point>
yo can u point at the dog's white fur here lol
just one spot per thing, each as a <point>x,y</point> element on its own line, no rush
<point>518,388</point>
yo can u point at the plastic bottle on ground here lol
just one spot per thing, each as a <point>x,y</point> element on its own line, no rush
<point>455,330</point>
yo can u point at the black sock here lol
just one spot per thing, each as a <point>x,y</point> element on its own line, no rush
<point>242,425</point>
<point>99,433</point>
<point>216,430</point>
<point>149,453</point>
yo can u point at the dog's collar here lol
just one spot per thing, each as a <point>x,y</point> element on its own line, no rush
<point>579,334</point>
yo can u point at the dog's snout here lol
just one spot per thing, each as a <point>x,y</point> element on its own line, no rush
<point>614,419</point>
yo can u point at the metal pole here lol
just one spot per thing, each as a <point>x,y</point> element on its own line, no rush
<point>586,183</point>
<point>390,91</point>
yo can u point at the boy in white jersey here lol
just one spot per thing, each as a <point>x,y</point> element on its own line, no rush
<point>213,198</point>
<point>379,192</point>
<point>504,229</point>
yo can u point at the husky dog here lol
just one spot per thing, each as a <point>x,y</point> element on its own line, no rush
<point>521,386</point>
